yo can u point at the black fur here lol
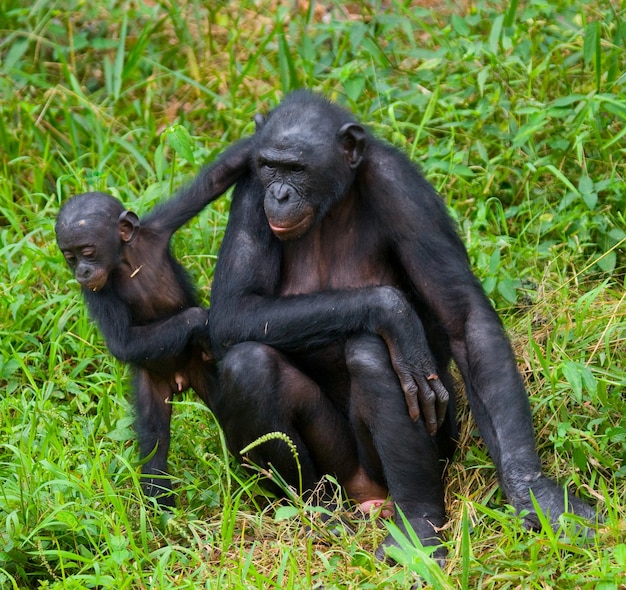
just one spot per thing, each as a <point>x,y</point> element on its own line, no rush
<point>144,302</point>
<point>342,290</point>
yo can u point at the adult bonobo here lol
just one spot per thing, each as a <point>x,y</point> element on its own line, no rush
<point>337,251</point>
<point>144,302</point>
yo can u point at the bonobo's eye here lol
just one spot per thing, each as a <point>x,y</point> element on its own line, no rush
<point>263,163</point>
<point>89,253</point>
<point>296,168</point>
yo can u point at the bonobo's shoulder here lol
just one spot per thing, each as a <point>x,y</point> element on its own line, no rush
<point>385,159</point>
<point>388,171</point>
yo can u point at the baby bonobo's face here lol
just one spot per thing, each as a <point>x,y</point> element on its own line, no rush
<point>88,236</point>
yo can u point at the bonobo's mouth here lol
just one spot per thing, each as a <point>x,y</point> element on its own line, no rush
<point>291,232</point>
<point>94,284</point>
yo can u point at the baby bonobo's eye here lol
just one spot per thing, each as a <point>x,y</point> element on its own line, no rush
<point>70,258</point>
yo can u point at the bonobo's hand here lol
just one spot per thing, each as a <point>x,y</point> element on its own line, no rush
<point>412,360</point>
<point>199,318</point>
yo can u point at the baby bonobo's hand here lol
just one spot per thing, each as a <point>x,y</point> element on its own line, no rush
<point>201,337</point>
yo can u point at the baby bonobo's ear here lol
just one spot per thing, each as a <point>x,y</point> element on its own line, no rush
<point>128,223</point>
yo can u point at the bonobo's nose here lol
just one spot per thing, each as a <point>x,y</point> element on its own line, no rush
<point>280,191</point>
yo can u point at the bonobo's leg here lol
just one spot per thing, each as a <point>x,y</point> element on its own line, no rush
<point>261,391</point>
<point>391,444</point>
<point>152,423</point>
<point>503,415</point>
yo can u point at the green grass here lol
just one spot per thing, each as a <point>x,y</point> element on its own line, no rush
<point>517,113</point>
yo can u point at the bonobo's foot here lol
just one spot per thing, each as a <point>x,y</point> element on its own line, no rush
<point>369,496</point>
<point>550,497</point>
<point>427,532</point>
<point>380,508</point>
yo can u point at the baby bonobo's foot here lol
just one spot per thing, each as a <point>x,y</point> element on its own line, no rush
<point>161,490</point>
<point>428,533</point>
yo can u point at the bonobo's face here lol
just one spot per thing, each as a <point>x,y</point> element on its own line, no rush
<point>87,235</point>
<point>304,166</point>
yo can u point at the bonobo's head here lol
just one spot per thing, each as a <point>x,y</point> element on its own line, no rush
<point>307,154</point>
<point>91,231</point>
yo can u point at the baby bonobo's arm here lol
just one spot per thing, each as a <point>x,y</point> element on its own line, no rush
<point>136,344</point>
<point>211,182</point>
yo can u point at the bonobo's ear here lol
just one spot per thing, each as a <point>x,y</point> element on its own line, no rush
<point>259,121</point>
<point>352,137</point>
<point>128,223</point>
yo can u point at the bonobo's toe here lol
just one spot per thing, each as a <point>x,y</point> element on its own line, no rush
<point>551,499</point>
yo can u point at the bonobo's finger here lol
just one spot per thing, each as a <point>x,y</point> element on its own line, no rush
<point>443,397</point>
<point>411,393</point>
<point>428,401</point>
<point>412,404</point>
<point>202,343</point>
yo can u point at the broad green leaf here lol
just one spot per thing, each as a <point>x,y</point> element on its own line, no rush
<point>178,138</point>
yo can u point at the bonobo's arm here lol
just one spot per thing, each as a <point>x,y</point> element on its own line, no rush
<point>246,306</point>
<point>436,264</point>
<point>162,339</point>
<point>211,182</point>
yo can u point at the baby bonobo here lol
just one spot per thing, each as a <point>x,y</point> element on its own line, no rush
<point>143,301</point>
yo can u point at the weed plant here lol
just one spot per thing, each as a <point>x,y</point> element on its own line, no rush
<point>517,114</point>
